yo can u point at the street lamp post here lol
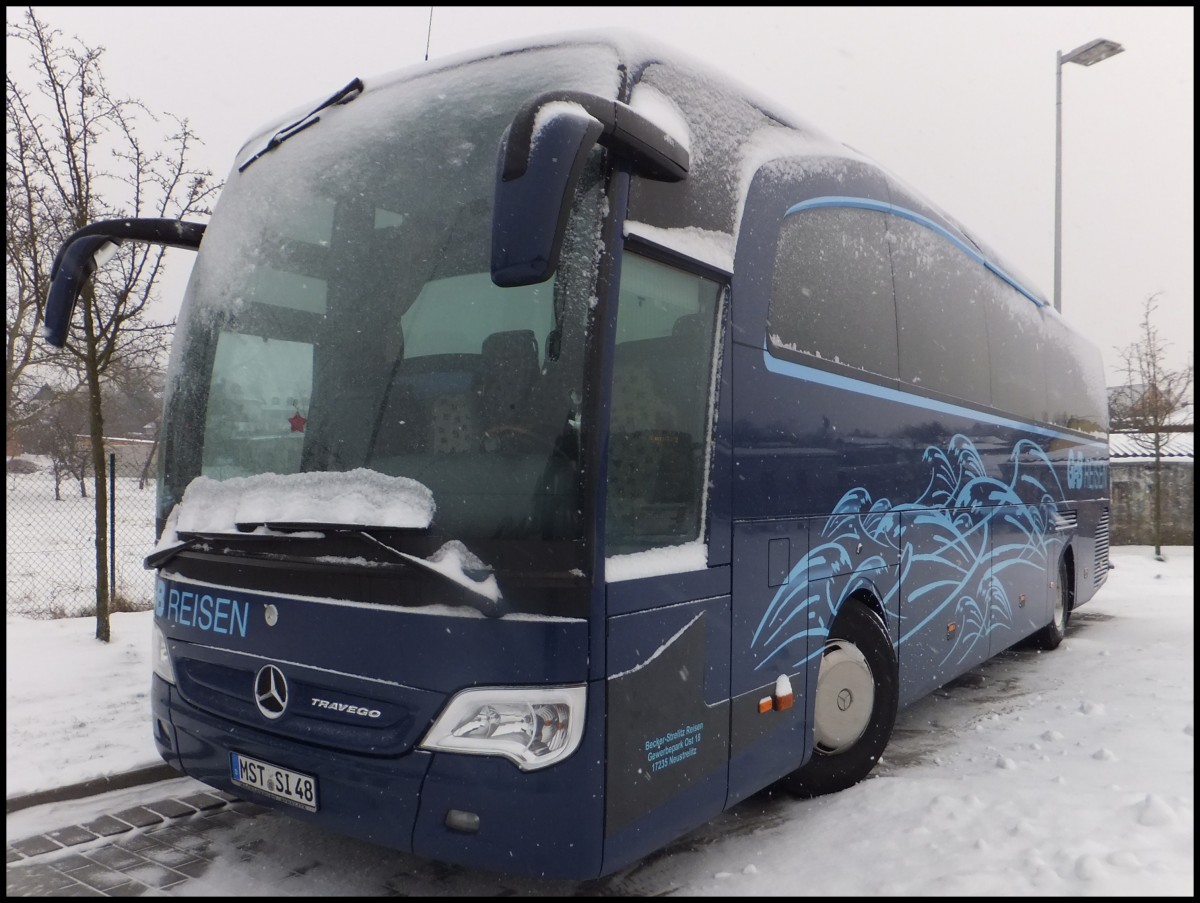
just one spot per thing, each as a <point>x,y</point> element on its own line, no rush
<point>1085,55</point>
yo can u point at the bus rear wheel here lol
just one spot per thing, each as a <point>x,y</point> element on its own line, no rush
<point>1050,636</point>
<point>855,704</point>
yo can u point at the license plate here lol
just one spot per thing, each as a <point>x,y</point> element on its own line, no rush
<point>291,787</point>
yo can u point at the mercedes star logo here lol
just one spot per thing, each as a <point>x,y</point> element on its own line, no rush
<point>270,691</point>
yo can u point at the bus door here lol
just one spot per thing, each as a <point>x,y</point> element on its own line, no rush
<point>667,625</point>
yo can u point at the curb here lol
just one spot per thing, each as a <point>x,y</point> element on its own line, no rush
<point>135,778</point>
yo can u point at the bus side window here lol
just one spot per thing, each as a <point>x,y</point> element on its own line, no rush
<point>831,297</point>
<point>1015,327</point>
<point>941,299</point>
<point>661,406</point>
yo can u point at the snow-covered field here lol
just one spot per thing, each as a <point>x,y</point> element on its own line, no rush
<point>50,564</point>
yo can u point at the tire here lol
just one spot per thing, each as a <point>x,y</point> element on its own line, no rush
<point>858,691</point>
<point>1052,634</point>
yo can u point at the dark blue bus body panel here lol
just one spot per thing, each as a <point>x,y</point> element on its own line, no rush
<point>667,719</point>
<point>941,513</point>
<point>401,667</point>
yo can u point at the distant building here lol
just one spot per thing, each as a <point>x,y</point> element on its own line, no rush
<point>1132,475</point>
<point>131,453</point>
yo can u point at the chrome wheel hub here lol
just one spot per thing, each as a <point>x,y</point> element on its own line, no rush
<point>845,697</point>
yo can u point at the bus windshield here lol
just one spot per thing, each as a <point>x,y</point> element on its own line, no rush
<point>341,314</point>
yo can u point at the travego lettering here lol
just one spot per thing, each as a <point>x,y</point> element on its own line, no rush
<point>346,707</point>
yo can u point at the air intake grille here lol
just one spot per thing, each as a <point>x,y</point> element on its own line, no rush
<point>1066,521</point>
<point>1100,573</point>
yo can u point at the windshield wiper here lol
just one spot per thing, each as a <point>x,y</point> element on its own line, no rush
<point>301,526</point>
<point>155,560</point>
<point>347,94</point>
<point>475,580</point>
<point>482,593</point>
<point>193,539</point>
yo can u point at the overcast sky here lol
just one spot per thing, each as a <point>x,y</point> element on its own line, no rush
<point>957,102</point>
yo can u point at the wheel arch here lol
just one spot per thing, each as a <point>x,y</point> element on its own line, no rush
<point>1068,559</point>
<point>867,593</point>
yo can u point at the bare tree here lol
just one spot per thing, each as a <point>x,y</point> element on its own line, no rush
<point>62,431</point>
<point>74,154</point>
<point>29,249</point>
<point>1152,394</point>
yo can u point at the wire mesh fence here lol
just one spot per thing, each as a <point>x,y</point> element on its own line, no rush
<point>51,539</point>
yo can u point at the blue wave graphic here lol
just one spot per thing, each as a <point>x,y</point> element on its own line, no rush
<point>955,566</point>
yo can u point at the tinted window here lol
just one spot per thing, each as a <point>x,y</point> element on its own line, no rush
<point>1074,380</point>
<point>661,406</point>
<point>940,301</point>
<point>831,297</point>
<point>1016,342</point>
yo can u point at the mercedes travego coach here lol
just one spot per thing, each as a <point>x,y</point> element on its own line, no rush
<point>561,445</point>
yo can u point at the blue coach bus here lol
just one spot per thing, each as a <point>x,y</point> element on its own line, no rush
<point>561,445</point>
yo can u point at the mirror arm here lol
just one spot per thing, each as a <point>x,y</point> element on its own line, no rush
<point>75,261</point>
<point>655,153</point>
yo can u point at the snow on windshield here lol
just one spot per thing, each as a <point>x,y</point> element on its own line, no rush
<point>354,497</point>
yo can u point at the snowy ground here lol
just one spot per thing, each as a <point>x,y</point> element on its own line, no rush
<point>1069,773</point>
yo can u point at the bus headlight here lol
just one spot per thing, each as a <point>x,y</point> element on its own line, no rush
<point>160,657</point>
<point>533,727</point>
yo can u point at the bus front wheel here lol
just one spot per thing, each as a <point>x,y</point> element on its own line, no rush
<point>855,704</point>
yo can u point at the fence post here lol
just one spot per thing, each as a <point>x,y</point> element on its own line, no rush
<point>112,529</point>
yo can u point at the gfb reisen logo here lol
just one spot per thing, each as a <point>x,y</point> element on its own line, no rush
<point>201,609</point>
<point>1085,474</point>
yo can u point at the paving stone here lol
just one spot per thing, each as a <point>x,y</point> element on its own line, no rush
<point>100,877</point>
<point>204,801</point>
<point>11,856</point>
<point>257,845</point>
<point>244,807</point>
<point>198,843</point>
<point>137,843</point>
<point>171,808</point>
<point>225,795</point>
<point>169,834</point>
<point>194,869</point>
<point>155,875</point>
<point>35,846</point>
<point>132,889</point>
<point>71,862</point>
<point>71,836</point>
<point>107,826</point>
<point>139,817</point>
<point>36,880</point>
<point>170,857</point>
<point>222,819</point>
<point>78,890</point>
<point>115,858</point>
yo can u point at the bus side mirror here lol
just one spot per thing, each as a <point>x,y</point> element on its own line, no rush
<point>539,163</point>
<point>77,260</point>
<point>89,248</point>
